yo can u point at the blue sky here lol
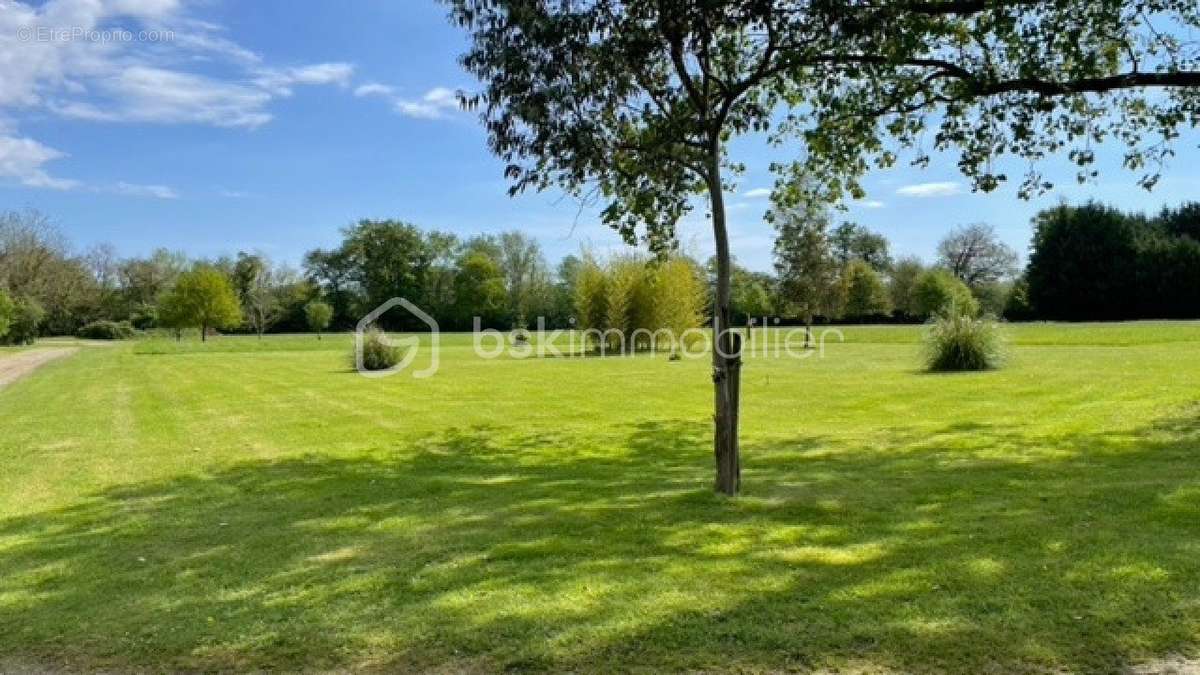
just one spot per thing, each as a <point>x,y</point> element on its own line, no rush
<point>220,125</point>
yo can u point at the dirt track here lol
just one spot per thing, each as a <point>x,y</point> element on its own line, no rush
<point>13,368</point>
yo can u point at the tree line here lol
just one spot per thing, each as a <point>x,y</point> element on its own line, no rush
<point>847,272</point>
<point>1087,262</point>
<point>503,279</point>
<point>52,289</point>
<point>48,288</point>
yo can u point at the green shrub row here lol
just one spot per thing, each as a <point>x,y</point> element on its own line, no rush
<point>107,330</point>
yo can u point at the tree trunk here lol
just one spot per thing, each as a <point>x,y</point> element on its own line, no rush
<point>808,331</point>
<point>727,348</point>
<point>204,332</point>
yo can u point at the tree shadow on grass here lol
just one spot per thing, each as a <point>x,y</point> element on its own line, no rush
<point>975,548</point>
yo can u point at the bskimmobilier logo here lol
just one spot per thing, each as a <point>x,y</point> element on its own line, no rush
<point>759,340</point>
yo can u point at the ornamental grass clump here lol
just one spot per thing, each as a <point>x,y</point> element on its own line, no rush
<point>377,354</point>
<point>959,342</point>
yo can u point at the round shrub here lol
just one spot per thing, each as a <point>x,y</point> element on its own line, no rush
<point>957,342</point>
<point>26,320</point>
<point>937,291</point>
<point>107,330</point>
<point>377,354</point>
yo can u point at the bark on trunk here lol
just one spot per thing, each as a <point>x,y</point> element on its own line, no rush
<point>727,349</point>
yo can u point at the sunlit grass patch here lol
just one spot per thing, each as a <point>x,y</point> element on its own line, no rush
<point>256,508</point>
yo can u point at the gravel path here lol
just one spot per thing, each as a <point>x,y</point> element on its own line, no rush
<point>13,368</point>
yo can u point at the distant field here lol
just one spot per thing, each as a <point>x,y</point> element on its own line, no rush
<point>1098,334</point>
<point>256,505</point>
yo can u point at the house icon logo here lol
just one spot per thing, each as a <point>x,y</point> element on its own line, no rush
<point>410,343</point>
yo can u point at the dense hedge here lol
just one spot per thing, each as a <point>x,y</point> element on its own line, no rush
<point>1094,262</point>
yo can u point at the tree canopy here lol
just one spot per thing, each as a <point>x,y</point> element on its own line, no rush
<point>974,254</point>
<point>805,261</point>
<point>202,298</point>
<point>318,314</point>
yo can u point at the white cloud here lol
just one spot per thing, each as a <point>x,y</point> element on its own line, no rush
<point>757,193</point>
<point>872,204</point>
<point>207,40</point>
<point>136,190</point>
<point>50,63</point>
<point>191,73</point>
<point>434,104</point>
<point>323,73</point>
<point>930,190</point>
<point>22,159</point>
<point>374,89</point>
<point>441,96</point>
<point>145,9</point>
<point>280,82</point>
<point>233,194</point>
<point>147,94</point>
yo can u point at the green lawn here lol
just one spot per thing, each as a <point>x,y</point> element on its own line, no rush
<point>243,505</point>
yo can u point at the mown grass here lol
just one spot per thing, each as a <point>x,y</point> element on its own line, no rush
<point>256,508</point>
<point>1030,334</point>
<point>1039,333</point>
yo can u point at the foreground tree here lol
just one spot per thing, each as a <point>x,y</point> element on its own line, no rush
<point>634,103</point>
<point>202,298</point>
<point>1027,78</point>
